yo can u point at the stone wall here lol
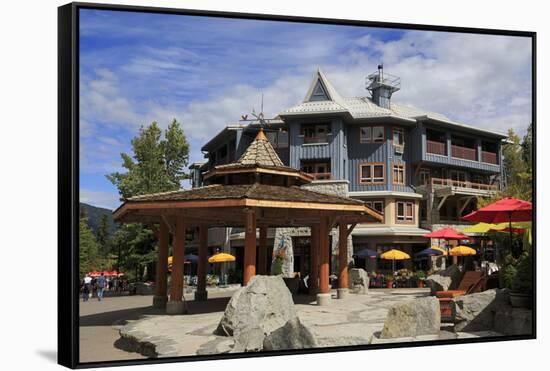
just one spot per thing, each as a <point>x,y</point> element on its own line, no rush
<point>331,187</point>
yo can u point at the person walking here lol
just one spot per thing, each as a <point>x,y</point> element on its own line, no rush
<point>86,287</point>
<point>100,286</point>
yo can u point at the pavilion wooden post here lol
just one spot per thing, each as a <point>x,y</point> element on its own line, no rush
<point>249,247</point>
<point>262,251</point>
<point>201,294</point>
<point>343,285</point>
<point>176,304</point>
<point>161,281</point>
<point>313,282</point>
<point>324,296</point>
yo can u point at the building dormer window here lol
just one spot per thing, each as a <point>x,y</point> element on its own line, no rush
<point>315,133</point>
<point>372,134</point>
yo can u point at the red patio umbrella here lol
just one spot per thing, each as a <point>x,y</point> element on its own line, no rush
<point>447,234</point>
<point>509,209</point>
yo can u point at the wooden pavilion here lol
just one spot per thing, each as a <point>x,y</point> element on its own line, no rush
<point>256,192</point>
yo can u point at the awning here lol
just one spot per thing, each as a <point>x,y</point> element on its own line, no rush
<point>389,231</point>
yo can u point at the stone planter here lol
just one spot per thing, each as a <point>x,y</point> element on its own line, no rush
<point>521,300</point>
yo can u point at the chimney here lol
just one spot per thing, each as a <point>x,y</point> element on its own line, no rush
<point>381,86</point>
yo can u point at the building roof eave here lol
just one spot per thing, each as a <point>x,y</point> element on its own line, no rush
<point>457,125</point>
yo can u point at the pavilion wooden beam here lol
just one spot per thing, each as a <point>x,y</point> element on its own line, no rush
<point>161,281</point>
<point>313,282</point>
<point>323,297</point>
<point>350,229</point>
<point>249,247</point>
<point>176,304</point>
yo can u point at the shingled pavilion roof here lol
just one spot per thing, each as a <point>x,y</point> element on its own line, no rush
<point>259,157</point>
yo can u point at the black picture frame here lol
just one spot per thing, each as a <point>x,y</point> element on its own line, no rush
<point>68,177</point>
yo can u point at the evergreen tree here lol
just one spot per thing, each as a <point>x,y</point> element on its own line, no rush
<point>103,235</point>
<point>88,248</point>
<point>157,165</point>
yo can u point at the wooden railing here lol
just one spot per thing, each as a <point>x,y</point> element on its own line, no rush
<point>321,176</point>
<point>316,139</point>
<point>436,148</point>
<point>489,157</point>
<point>463,184</point>
<point>463,152</point>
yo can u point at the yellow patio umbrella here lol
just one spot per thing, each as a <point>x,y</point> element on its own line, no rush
<point>480,228</point>
<point>394,255</point>
<point>221,258</point>
<point>462,251</point>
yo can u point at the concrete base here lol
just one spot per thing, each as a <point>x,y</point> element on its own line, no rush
<point>160,301</point>
<point>201,295</point>
<point>176,307</point>
<point>323,299</point>
<point>342,293</point>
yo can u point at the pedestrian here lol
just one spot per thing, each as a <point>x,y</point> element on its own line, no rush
<point>86,287</point>
<point>100,286</point>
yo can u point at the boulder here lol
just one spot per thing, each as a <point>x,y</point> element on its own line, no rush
<point>262,316</point>
<point>476,312</point>
<point>293,335</point>
<point>413,318</point>
<point>358,280</point>
<point>265,303</point>
<point>447,279</point>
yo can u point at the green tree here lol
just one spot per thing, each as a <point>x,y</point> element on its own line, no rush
<point>517,166</point>
<point>135,246</point>
<point>157,164</point>
<point>88,248</point>
<point>103,237</point>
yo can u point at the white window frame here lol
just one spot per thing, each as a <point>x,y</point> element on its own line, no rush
<point>372,179</point>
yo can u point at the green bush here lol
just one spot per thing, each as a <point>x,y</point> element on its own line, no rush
<point>419,275</point>
<point>518,273</point>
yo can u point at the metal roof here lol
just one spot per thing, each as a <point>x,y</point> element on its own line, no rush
<point>358,108</point>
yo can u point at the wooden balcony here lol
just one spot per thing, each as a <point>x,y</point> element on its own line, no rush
<point>489,157</point>
<point>321,176</point>
<point>440,182</point>
<point>464,153</point>
<point>435,148</point>
<point>316,139</point>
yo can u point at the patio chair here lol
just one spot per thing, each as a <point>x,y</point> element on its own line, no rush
<point>471,282</point>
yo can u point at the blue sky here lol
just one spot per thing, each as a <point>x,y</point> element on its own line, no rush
<point>206,72</point>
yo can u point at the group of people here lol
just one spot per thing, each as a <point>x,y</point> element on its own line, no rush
<point>95,286</point>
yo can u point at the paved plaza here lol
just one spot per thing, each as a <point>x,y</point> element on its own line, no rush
<point>148,332</point>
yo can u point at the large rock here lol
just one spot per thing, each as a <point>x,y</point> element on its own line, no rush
<point>262,316</point>
<point>293,335</point>
<point>413,318</point>
<point>265,303</point>
<point>476,312</point>
<point>447,279</point>
<point>358,281</point>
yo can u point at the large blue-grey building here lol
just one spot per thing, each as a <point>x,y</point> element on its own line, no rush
<point>420,169</point>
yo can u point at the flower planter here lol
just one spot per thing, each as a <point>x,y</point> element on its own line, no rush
<point>521,300</point>
<point>420,284</point>
<point>389,284</point>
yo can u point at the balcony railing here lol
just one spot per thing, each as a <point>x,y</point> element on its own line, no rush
<point>489,157</point>
<point>435,148</point>
<point>321,176</point>
<point>316,139</point>
<point>462,184</point>
<point>463,152</point>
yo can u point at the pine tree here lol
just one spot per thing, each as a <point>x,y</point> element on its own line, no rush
<point>157,165</point>
<point>88,248</point>
<point>103,235</point>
